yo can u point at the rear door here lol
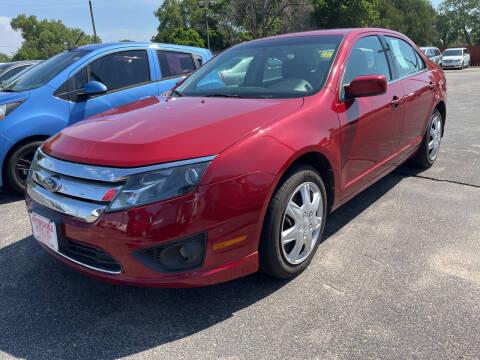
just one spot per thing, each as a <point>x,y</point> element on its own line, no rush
<point>418,87</point>
<point>174,66</point>
<point>370,125</point>
<point>127,74</point>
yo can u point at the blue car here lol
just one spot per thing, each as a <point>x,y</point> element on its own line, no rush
<point>79,83</point>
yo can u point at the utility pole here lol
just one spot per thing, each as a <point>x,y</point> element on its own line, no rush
<point>205,4</point>
<point>93,21</point>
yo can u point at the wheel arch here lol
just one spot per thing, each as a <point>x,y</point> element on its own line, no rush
<point>442,108</point>
<point>15,146</point>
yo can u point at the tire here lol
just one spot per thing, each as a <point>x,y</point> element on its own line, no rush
<point>18,164</point>
<point>279,260</point>
<point>428,151</point>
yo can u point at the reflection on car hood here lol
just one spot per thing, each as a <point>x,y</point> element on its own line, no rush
<point>452,58</point>
<point>7,97</point>
<point>157,130</point>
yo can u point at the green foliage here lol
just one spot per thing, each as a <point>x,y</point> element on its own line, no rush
<point>465,19</point>
<point>262,18</point>
<point>4,58</point>
<point>345,13</point>
<point>186,14</point>
<point>43,39</point>
<point>414,18</point>
<point>179,36</point>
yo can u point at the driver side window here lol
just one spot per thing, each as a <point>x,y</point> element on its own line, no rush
<point>366,58</point>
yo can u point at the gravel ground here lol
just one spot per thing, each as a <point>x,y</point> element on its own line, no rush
<point>397,277</point>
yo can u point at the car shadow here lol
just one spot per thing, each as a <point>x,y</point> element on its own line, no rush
<point>50,311</point>
<point>8,196</point>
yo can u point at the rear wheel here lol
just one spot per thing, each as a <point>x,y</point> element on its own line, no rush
<point>18,165</point>
<point>430,146</point>
<point>294,224</point>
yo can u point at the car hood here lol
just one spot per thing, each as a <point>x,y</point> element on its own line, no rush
<point>158,129</point>
<point>7,97</point>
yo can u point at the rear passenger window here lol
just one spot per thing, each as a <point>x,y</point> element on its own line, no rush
<point>121,69</point>
<point>405,57</point>
<point>174,63</point>
<point>366,58</point>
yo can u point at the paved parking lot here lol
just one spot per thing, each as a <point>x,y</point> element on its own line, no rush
<point>397,277</point>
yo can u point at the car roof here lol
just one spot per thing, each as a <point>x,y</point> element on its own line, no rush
<point>343,31</point>
<point>94,47</point>
<point>23,62</point>
<point>459,48</point>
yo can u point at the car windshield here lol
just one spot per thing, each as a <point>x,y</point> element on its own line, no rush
<point>276,68</point>
<point>45,71</point>
<point>452,53</point>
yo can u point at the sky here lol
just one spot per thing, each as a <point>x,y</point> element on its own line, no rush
<point>114,19</point>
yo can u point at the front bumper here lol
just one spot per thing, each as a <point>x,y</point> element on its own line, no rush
<point>452,65</point>
<point>226,210</point>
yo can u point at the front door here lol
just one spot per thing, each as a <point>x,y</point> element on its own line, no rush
<point>127,76</point>
<point>369,125</point>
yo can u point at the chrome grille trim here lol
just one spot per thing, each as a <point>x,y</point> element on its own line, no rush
<point>74,187</point>
<point>82,210</point>
<point>103,173</point>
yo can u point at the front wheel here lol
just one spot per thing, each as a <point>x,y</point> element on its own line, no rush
<point>18,165</point>
<point>294,224</point>
<point>428,151</point>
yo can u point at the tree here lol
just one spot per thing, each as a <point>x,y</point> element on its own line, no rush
<point>262,17</point>
<point>186,14</point>
<point>4,58</point>
<point>414,18</point>
<point>43,39</point>
<point>180,36</point>
<point>345,13</point>
<point>465,13</point>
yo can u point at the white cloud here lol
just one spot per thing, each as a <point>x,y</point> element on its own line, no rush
<point>10,40</point>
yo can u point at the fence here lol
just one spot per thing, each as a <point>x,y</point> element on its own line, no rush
<point>474,53</point>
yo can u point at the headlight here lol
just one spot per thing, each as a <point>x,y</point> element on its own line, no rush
<point>155,186</point>
<point>6,109</point>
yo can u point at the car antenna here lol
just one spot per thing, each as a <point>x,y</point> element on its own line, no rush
<point>76,42</point>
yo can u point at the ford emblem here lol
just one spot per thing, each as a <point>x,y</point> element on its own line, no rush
<point>52,183</point>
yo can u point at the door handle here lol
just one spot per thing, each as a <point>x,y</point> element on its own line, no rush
<point>395,103</point>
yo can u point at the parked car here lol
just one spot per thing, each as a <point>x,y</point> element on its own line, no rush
<point>9,70</point>
<point>219,181</point>
<point>433,53</point>
<point>4,83</point>
<point>79,83</point>
<point>457,58</point>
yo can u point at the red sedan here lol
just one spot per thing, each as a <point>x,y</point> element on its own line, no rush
<point>236,170</point>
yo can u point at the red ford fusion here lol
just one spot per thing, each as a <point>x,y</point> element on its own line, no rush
<point>236,169</point>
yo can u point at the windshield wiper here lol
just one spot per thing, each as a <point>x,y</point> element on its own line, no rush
<point>223,95</point>
<point>7,90</point>
<point>178,93</point>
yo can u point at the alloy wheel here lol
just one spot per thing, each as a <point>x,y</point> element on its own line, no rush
<point>435,137</point>
<point>23,165</point>
<point>301,223</point>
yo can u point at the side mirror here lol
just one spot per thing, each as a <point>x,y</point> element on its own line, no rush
<point>94,88</point>
<point>367,85</point>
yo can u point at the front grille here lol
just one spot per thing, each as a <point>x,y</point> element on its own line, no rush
<point>90,256</point>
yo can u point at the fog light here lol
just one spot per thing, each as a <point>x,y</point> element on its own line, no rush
<point>173,256</point>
